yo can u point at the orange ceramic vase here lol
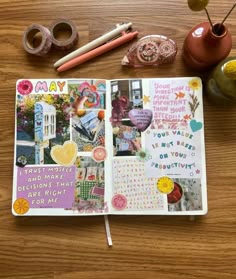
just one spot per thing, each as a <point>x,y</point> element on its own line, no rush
<point>204,48</point>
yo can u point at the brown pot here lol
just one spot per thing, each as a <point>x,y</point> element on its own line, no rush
<point>204,48</point>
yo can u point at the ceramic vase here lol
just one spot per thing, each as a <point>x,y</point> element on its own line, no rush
<point>221,84</point>
<point>205,46</point>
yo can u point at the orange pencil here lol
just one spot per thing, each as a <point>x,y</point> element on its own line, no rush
<point>126,37</point>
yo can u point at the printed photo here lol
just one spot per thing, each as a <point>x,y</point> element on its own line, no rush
<point>88,129</point>
<point>88,94</point>
<point>186,195</point>
<point>42,122</point>
<point>89,192</point>
<point>125,96</point>
<point>126,139</point>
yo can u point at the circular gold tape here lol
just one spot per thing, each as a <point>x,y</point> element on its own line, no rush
<point>64,34</point>
<point>37,40</point>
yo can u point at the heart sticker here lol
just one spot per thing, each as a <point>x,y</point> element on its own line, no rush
<point>64,154</point>
<point>195,126</point>
<point>141,118</point>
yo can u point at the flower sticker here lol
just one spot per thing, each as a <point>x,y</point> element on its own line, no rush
<point>99,154</point>
<point>165,185</point>
<point>146,99</point>
<point>194,84</point>
<point>119,202</point>
<point>25,87</point>
<point>143,155</point>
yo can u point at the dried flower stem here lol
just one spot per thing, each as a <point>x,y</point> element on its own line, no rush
<point>208,17</point>
<point>222,22</point>
<point>228,14</point>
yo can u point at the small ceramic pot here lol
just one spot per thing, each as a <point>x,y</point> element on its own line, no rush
<point>205,46</point>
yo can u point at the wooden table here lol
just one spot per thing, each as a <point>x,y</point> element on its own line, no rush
<point>147,246</point>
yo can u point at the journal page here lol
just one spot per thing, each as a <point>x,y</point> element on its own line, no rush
<point>60,147</point>
<point>158,146</point>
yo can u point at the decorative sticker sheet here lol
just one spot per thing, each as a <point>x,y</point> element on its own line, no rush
<point>130,181</point>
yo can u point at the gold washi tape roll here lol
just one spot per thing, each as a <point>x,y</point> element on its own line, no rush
<point>37,40</point>
<point>64,33</point>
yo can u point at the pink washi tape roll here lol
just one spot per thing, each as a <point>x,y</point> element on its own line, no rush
<point>37,40</point>
<point>64,34</point>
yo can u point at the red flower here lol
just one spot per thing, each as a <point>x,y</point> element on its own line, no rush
<point>25,87</point>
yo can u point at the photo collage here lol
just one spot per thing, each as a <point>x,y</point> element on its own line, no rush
<point>47,121</point>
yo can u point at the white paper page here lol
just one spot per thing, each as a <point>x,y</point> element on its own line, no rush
<point>60,148</point>
<point>172,141</point>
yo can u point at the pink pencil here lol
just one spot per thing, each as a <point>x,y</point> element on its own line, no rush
<point>126,37</point>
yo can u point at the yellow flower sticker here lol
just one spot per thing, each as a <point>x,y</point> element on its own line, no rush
<point>194,84</point>
<point>21,206</point>
<point>165,185</point>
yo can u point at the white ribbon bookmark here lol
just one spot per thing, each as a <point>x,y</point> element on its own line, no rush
<point>108,232</point>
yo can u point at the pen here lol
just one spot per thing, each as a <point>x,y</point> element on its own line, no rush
<point>97,51</point>
<point>93,44</point>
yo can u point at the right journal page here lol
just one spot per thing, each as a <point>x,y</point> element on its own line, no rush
<point>158,162</point>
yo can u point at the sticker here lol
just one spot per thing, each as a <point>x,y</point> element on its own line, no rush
<point>143,155</point>
<point>65,154</point>
<point>97,191</point>
<point>25,87</point>
<point>119,202</point>
<point>141,118</point>
<point>146,99</point>
<point>99,154</point>
<point>165,185</point>
<point>195,126</point>
<point>21,161</point>
<point>195,83</point>
<point>21,206</point>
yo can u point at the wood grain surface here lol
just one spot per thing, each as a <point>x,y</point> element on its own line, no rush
<point>146,246</point>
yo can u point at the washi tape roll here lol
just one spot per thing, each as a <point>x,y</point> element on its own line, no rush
<point>37,40</point>
<point>64,33</point>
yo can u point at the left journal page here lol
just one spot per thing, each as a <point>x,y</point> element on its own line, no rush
<point>60,147</point>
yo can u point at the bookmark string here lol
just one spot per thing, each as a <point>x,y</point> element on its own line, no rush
<point>108,232</point>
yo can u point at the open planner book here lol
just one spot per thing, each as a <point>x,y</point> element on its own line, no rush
<point>98,147</point>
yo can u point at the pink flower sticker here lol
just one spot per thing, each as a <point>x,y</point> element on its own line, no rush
<point>99,154</point>
<point>119,202</point>
<point>25,87</point>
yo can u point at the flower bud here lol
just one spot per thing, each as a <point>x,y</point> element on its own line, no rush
<point>197,5</point>
<point>229,69</point>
